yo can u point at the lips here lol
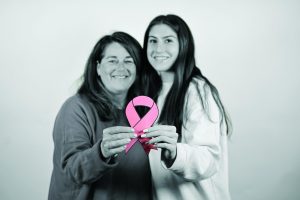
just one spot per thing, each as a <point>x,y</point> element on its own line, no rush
<point>160,58</point>
<point>121,76</point>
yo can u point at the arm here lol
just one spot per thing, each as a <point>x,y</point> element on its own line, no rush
<point>77,156</point>
<point>198,154</point>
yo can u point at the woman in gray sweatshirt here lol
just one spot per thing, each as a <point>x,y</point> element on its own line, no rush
<point>91,129</point>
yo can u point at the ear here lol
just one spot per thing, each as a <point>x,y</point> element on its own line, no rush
<point>98,68</point>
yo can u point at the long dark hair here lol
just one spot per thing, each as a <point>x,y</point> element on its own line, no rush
<point>184,70</point>
<point>92,86</point>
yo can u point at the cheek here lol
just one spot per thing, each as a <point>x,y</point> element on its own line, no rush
<point>105,76</point>
<point>104,70</point>
<point>177,50</point>
<point>149,50</point>
<point>133,72</point>
<point>174,48</point>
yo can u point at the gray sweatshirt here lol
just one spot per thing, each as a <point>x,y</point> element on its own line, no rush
<point>78,170</point>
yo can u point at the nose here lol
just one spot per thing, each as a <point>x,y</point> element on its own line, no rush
<point>160,47</point>
<point>121,66</point>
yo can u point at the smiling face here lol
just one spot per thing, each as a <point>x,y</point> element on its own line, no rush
<point>163,47</point>
<point>117,69</point>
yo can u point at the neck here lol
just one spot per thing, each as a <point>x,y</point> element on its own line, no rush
<point>119,100</point>
<point>167,77</point>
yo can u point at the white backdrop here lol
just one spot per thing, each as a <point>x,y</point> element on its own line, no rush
<point>248,49</point>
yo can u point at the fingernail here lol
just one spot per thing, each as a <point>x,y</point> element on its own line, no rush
<point>132,129</point>
<point>145,130</point>
<point>135,135</point>
<point>128,140</point>
<point>143,135</point>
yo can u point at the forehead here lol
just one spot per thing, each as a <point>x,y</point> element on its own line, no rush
<point>115,49</point>
<point>162,30</point>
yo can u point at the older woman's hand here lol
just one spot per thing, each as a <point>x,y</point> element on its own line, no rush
<point>115,140</point>
<point>164,137</point>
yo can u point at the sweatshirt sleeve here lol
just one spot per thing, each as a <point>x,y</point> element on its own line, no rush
<point>198,153</point>
<point>78,158</point>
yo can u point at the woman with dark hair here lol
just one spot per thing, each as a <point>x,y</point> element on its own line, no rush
<point>193,126</point>
<point>91,130</point>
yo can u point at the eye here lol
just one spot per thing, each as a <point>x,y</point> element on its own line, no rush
<point>113,61</point>
<point>168,40</point>
<point>129,61</point>
<point>152,41</point>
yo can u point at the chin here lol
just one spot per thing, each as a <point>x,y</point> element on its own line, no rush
<point>162,68</point>
<point>120,90</point>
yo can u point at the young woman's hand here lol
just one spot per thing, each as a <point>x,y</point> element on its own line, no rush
<point>164,137</point>
<point>115,140</point>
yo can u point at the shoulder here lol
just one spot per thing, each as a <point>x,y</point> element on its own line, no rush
<point>75,105</point>
<point>74,101</point>
<point>76,112</point>
<point>198,85</point>
<point>197,90</point>
<point>199,96</point>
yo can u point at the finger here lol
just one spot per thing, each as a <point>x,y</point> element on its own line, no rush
<point>170,147</point>
<point>121,136</point>
<point>118,129</point>
<point>160,127</point>
<point>159,133</point>
<point>143,140</point>
<point>116,144</point>
<point>163,139</point>
<point>116,150</point>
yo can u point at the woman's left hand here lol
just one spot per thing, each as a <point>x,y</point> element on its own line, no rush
<point>164,137</point>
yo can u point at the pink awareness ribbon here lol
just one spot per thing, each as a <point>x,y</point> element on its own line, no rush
<point>139,124</point>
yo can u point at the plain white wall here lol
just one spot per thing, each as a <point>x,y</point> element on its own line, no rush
<point>248,49</point>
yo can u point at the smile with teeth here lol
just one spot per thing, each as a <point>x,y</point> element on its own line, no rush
<point>119,76</point>
<point>160,58</point>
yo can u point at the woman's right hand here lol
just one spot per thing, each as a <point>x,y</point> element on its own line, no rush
<point>115,140</point>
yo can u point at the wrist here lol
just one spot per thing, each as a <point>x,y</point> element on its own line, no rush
<point>102,156</point>
<point>169,161</point>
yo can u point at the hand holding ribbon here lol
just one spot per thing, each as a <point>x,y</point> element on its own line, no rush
<point>139,124</point>
<point>114,140</point>
<point>164,137</point>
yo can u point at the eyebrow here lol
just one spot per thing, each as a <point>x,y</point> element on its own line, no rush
<point>164,37</point>
<point>115,57</point>
<point>111,57</point>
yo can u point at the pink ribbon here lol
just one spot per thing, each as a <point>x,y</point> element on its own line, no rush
<point>139,124</point>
